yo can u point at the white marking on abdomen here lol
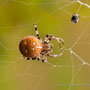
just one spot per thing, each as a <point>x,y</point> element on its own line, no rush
<point>38,47</point>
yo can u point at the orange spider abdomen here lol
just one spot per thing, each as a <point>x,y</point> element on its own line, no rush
<point>30,47</point>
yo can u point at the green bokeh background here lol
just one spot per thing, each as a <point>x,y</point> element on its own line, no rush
<point>51,17</point>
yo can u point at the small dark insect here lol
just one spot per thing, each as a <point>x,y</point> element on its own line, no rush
<point>75,18</point>
<point>33,48</point>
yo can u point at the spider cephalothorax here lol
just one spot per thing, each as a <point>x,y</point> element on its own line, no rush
<point>32,47</point>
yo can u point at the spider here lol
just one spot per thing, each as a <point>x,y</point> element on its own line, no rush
<point>33,48</point>
<point>75,18</point>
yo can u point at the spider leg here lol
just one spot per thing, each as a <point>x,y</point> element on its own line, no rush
<point>36,29</point>
<point>49,51</point>
<point>28,58</point>
<point>50,37</point>
<point>34,58</point>
<point>38,58</point>
<point>50,45</point>
<point>56,55</point>
<point>60,41</point>
<point>44,58</point>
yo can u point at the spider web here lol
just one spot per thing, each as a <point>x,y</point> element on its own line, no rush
<point>71,71</point>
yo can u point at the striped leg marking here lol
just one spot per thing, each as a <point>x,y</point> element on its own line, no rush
<point>36,29</point>
<point>44,58</point>
<point>50,37</point>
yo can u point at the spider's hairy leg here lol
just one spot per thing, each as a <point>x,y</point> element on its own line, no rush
<point>49,52</point>
<point>28,58</point>
<point>34,58</point>
<point>36,29</point>
<point>44,58</point>
<point>48,38</point>
<point>38,58</point>
<point>51,45</point>
<point>56,55</point>
<point>60,41</point>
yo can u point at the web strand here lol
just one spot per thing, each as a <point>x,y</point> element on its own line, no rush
<point>50,64</point>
